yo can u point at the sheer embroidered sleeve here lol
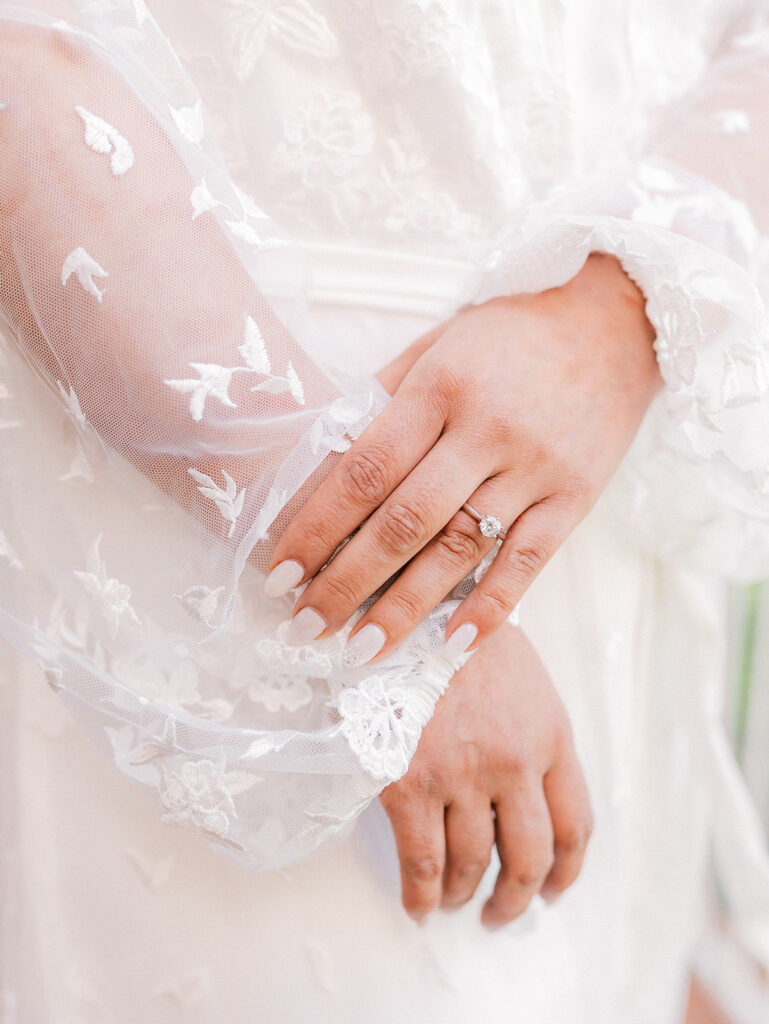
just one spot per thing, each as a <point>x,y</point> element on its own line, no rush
<point>160,421</point>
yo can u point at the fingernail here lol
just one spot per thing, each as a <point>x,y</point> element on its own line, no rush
<point>284,577</point>
<point>460,639</point>
<point>305,626</point>
<point>364,646</point>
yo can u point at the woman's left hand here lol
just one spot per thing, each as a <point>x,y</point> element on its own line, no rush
<point>522,406</point>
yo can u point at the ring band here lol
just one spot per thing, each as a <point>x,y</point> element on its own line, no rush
<point>490,526</point>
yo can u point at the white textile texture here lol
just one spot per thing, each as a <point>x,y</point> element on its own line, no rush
<point>167,172</point>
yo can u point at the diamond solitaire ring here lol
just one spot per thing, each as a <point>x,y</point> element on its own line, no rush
<point>490,526</point>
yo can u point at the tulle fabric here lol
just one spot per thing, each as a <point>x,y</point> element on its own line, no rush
<point>166,386</point>
<point>155,365</point>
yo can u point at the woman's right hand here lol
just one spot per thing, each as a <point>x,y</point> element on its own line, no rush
<point>496,764</point>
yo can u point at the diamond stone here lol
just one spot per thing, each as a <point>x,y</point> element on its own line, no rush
<point>490,526</point>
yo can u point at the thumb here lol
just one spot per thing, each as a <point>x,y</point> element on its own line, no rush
<point>394,373</point>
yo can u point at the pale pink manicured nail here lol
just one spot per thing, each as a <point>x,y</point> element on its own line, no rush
<point>460,639</point>
<point>305,626</point>
<point>364,646</point>
<point>284,577</point>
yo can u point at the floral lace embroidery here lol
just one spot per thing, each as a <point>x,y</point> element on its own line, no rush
<point>293,23</point>
<point>112,597</point>
<point>199,795</point>
<point>383,724</point>
<point>329,136</point>
<point>284,692</point>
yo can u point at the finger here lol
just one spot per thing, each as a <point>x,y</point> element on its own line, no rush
<point>453,553</point>
<point>530,543</point>
<point>396,532</point>
<point>524,835</point>
<point>418,826</point>
<point>567,797</point>
<point>384,454</point>
<point>469,839</point>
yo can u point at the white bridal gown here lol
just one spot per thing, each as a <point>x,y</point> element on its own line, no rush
<point>159,417</point>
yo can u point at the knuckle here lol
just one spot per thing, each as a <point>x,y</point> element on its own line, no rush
<point>406,604</point>
<point>574,840</point>
<point>528,559</point>
<point>422,869</point>
<point>450,382</point>
<point>495,605</point>
<point>466,869</point>
<point>423,784</point>
<point>368,474</point>
<point>340,589</point>
<point>400,528</point>
<point>500,430</point>
<point>532,875</point>
<point>462,542</point>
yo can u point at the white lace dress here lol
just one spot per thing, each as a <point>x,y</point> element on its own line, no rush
<point>173,374</point>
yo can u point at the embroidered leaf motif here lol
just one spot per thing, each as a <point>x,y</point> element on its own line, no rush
<point>190,122</point>
<point>254,350</point>
<point>85,266</point>
<point>244,231</point>
<point>72,404</point>
<point>275,502</point>
<point>277,385</point>
<point>294,383</point>
<point>104,139</point>
<point>320,436</point>
<point>202,200</point>
<point>250,209</point>
<point>214,381</point>
<point>227,499</point>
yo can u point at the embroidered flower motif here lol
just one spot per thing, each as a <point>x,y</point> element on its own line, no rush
<point>199,795</point>
<point>383,724</point>
<point>227,499</point>
<point>679,334</point>
<point>214,380</point>
<point>293,23</point>
<point>112,597</point>
<point>103,138</point>
<point>201,603</point>
<point>280,692</point>
<point>413,39</point>
<point>331,135</point>
<point>85,266</point>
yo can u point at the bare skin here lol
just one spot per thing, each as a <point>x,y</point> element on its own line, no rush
<point>496,764</point>
<point>523,406</point>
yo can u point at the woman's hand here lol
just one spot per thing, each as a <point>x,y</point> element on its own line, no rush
<point>524,407</point>
<point>495,764</point>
